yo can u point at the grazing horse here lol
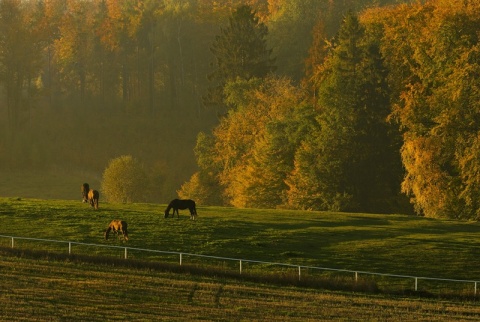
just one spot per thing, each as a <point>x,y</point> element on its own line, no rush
<point>181,204</point>
<point>116,226</point>
<point>85,190</point>
<point>93,197</point>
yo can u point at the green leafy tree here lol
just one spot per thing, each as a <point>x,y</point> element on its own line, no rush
<point>304,188</point>
<point>240,51</point>
<point>263,180</point>
<point>204,186</point>
<point>125,181</point>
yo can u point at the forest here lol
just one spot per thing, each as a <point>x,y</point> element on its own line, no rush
<point>364,106</point>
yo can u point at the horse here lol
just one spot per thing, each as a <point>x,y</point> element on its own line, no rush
<point>116,226</point>
<point>85,190</point>
<point>93,197</point>
<point>181,204</point>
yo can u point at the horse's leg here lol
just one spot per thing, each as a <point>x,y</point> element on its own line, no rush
<point>193,212</point>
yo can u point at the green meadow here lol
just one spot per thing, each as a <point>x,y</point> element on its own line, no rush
<point>389,244</point>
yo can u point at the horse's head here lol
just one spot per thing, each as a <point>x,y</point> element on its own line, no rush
<point>166,214</point>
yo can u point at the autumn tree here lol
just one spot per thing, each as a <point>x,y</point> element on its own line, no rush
<point>270,125</point>
<point>433,52</point>
<point>19,59</point>
<point>251,151</point>
<point>74,48</point>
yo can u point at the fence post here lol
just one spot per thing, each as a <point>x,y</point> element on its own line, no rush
<point>180,259</point>
<point>69,248</point>
<point>240,266</point>
<point>125,252</point>
<point>12,242</point>
<point>416,283</point>
<point>475,293</point>
<point>356,277</point>
<point>299,273</point>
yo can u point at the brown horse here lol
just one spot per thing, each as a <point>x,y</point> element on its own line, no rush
<point>93,197</point>
<point>116,226</point>
<point>181,204</point>
<point>85,190</point>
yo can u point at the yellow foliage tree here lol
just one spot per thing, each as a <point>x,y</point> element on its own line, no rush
<point>432,50</point>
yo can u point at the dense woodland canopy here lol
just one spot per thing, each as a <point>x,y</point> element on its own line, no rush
<point>306,104</point>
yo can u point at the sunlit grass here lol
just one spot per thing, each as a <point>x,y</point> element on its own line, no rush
<point>391,244</point>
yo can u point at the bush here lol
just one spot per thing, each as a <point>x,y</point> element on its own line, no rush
<point>125,181</point>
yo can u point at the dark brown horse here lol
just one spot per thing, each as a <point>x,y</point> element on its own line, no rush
<point>93,197</point>
<point>85,190</point>
<point>117,226</point>
<point>181,204</point>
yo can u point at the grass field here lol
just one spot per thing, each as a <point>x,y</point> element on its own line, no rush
<point>394,244</point>
<point>41,290</point>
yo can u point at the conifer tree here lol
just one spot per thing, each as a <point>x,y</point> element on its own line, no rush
<point>351,153</point>
<point>240,51</point>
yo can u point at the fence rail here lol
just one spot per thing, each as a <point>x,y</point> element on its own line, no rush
<point>355,273</point>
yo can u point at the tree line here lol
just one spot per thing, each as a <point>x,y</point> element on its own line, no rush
<point>83,82</point>
<point>298,104</point>
<point>388,109</point>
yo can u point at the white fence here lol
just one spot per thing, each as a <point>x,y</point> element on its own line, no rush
<point>300,268</point>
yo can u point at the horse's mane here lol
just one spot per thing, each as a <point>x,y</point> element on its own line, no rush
<point>170,205</point>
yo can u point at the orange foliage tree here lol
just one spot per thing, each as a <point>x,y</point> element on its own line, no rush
<point>251,151</point>
<point>432,51</point>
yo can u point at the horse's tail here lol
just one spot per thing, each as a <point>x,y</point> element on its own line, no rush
<point>107,232</point>
<point>96,197</point>
<point>93,197</point>
<point>194,210</point>
<point>124,230</point>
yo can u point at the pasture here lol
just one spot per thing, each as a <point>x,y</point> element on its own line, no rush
<point>393,244</point>
<point>40,290</point>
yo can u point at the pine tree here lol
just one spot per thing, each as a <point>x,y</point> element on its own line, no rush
<point>240,51</point>
<point>351,153</point>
